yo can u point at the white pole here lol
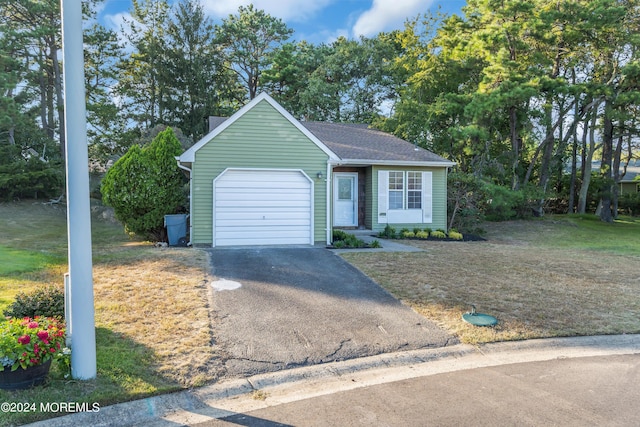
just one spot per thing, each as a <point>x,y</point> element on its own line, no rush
<point>82,323</point>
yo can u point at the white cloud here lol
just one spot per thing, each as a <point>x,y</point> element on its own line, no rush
<point>386,15</point>
<point>287,10</point>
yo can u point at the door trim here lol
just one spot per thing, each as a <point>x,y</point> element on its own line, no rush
<point>336,176</point>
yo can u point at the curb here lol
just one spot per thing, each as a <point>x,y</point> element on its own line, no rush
<point>242,395</point>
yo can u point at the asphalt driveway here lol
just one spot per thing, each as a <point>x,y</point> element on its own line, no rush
<point>279,308</point>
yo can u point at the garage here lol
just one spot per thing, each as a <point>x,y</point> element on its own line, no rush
<point>262,207</point>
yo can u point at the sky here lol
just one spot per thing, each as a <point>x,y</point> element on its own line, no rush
<point>316,21</point>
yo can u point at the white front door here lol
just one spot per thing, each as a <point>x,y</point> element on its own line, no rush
<point>345,199</point>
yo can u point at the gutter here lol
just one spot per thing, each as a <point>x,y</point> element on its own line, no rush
<point>184,168</point>
<point>357,162</point>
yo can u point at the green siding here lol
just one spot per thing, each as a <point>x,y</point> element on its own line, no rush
<point>628,187</point>
<point>439,198</point>
<point>261,138</point>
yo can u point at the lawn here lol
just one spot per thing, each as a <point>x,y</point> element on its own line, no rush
<point>552,277</point>
<point>558,276</point>
<point>153,330</point>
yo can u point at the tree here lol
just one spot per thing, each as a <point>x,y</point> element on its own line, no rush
<point>24,170</point>
<point>146,184</point>
<point>107,126</point>
<point>141,82</point>
<point>248,39</point>
<point>353,81</point>
<point>287,77</point>
<point>33,31</point>
<point>199,85</point>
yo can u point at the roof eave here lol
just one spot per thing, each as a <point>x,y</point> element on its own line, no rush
<point>432,163</point>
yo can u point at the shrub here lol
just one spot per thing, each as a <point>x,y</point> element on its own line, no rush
<point>339,235</point>
<point>422,234</point>
<point>464,201</point>
<point>389,232</point>
<point>146,184</point>
<point>45,302</point>
<point>416,230</point>
<point>453,234</point>
<point>339,244</point>
<point>375,244</point>
<point>28,178</point>
<point>343,239</point>
<point>438,234</point>
<point>629,203</point>
<point>428,230</point>
<point>408,234</point>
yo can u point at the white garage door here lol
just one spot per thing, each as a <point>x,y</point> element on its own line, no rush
<point>262,207</point>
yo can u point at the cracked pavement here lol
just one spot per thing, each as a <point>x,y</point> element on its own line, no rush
<point>303,306</point>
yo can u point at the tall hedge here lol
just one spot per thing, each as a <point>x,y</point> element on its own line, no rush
<point>146,184</point>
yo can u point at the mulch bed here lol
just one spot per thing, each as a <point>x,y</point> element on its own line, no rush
<point>465,238</point>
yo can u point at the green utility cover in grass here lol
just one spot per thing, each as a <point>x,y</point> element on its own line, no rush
<point>479,319</point>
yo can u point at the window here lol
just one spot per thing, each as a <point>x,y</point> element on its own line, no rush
<point>414,190</point>
<point>396,190</point>
<point>398,197</point>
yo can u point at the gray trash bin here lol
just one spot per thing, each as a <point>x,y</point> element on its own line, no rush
<point>176,229</point>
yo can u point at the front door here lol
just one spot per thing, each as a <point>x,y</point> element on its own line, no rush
<point>345,199</point>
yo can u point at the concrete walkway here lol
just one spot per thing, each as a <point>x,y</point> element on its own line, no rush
<point>336,386</point>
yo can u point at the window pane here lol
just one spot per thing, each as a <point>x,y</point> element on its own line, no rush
<point>396,187</point>
<point>414,180</point>
<point>395,200</point>
<point>396,181</point>
<point>414,193</point>
<point>344,189</point>
<point>414,200</point>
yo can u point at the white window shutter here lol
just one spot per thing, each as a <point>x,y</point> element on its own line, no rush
<point>383,196</point>
<point>427,197</point>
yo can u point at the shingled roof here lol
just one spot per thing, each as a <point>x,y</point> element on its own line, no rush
<point>359,142</point>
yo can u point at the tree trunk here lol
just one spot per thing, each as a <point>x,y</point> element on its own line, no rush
<point>617,159</point>
<point>57,82</point>
<point>606,213</point>
<point>587,156</point>
<point>515,147</point>
<point>574,162</point>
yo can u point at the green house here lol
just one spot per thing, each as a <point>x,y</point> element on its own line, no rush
<point>261,177</point>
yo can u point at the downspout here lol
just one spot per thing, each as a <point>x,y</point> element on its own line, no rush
<point>329,219</point>
<point>184,168</point>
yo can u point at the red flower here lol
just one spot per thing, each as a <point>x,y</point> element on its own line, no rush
<point>32,325</point>
<point>24,340</point>
<point>52,350</point>
<point>44,336</point>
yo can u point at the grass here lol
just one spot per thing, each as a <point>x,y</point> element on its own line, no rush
<point>559,276</point>
<point>153,330</point>
<point>552,277</point>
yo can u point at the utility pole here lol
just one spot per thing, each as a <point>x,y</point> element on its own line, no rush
<point>81,327</point>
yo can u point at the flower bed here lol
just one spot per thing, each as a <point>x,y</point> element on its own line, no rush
<point>30,341</point>
<point>427,234</point>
